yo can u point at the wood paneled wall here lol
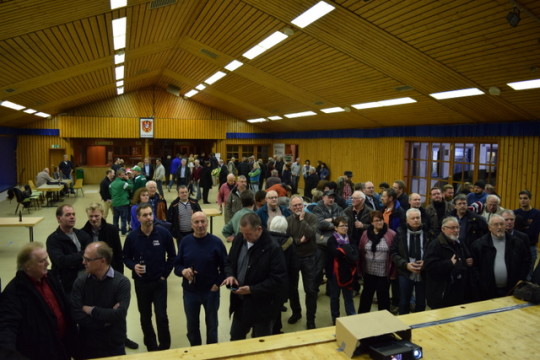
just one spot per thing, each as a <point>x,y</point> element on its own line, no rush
<point>519,169</point>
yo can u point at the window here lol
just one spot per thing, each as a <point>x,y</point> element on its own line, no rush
<point>429,164</point>
<point>259,151</point>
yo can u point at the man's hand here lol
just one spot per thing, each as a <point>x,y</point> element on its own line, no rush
<point>303,239</point>
<point>230,281</point>
<point>358,224</point>
<point>214,288</point>
<point>139,269</point>
<point>453,259</point>
<point>243,290</point>
<point>469,262</point>
<point>116,306</point>
<point>230,238</point>
<point>189,274</point>
<point>88,309</point>
<point>413,267</point>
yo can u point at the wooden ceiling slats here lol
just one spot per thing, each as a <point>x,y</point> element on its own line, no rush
<point>68,32</point>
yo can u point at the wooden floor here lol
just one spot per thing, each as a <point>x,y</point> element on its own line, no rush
<point>511,334</point>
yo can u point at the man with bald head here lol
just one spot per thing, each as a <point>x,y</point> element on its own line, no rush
<point>224,191</point>
<point>271,209</point>
<point>500,260</point>
<point>201,263</point>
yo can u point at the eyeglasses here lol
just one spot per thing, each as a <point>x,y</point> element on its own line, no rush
<point>452,227</point>
<point>272,197</point>
<point>87,259</point>
<point>342,226</point>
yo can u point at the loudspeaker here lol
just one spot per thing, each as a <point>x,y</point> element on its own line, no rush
<point>173,90</point>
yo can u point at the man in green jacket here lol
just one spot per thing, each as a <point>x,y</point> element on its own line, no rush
<point>139,180</point>
<point>120,189</point>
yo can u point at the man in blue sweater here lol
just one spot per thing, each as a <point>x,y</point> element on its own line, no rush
<point>149,251</point>
<point>201,263</point>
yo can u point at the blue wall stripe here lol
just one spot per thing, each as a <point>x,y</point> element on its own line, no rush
<point>530,128</point>
<point>14,131</point>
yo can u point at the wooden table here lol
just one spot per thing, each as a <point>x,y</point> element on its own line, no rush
<point>28,222</point>
<point>211,213</point>
<point>50,188</point>
<point>509,334</point>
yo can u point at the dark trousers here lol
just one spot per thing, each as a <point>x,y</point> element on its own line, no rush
<point>406,287</point>
<point>148,293</point>
<point>122,213</point>
<point>159,184</point>
<point>193,301</point>
<point>206,190</point>
<point>307,266</point>
<point>372,284</point>
<point>335,291</point>
<point>240,327</point>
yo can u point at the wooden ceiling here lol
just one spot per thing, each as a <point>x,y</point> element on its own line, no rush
<point>58,55</point>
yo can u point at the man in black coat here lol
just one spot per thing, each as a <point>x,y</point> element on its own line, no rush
<point>447,262</point>
<point>105,193</point>
<point>35,316</point>
<point>472,225</point>
<point>179,214</point>
<point>66,247</point>
<point>257,278</point>
<point>500,260</point>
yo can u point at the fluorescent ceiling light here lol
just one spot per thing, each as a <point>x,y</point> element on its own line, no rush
<point>258,120</point>
<point>120,83</point>
<point>200,87</point>
<point>42,114</point>
<point>312,14</point>
<point>233,65</point>
<point>332,110</point>
<point>119,33</point>
<point>115,4</point>
<point>300,114</point>
<point>212,79</point>
<point>191,93</point>
<point>275,117</point>
<point>523,85</point>
<point>456,93</point>
<point>264,45</point>
<point>119,58</point>
<point>119,72</point>
<point>120,90</point>
<point>391,102</point>
<point>30,111</point>
<point>11,105</point>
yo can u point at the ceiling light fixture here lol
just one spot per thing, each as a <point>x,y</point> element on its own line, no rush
<point>513,17</point>
<point>200,87</point>
<point>191,93</point>
<point>457,93</point>
<point>264,45</point>
<point>258,120</point>
<point>333,110</point>
<point>119,58</point>
<point>30,111</point>
<point>391,102</point>
<point>275,117</point>
<point>120,83</point>
<point>42,114</point>
<point>300,114</point>
<point>524,85</point>
<point>119,72</point>
<point>233,65</point>
<point>12,105</point>
<point>312,14</point>
<point>119,90</point>
<point>115,4</point>
<point>212,79</point>
<point>119,33</point>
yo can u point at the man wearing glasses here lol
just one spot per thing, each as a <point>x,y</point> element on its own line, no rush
<point>100,303</point>
<point>271,209</point>
<point>447,262</point>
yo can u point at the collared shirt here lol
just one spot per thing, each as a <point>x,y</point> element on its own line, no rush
<point>109,273</point>
<point>184,216</point>
<point>74,238</point>
<point>45,290</point>
<point>95,232</point>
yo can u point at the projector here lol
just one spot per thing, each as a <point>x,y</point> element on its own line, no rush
<point>388,347</point>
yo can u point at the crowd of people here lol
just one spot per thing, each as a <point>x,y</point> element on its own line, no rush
<point>343,238</point>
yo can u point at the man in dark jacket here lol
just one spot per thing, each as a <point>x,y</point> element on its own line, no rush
<point>271,209</point>
<point>437,210</point>
<point>358,217</point>
<point>500,260</point>
<point>407,253</point>
<point>105,193</point>
<point>447,262</point>
<point>34,310</point>
<point>180,212</point>
<point>257,278</point>
<point>66,246</point>
<point>472,225</point>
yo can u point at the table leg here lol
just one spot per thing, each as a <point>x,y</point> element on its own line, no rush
<point>31,230</point>
<point>211,224</point>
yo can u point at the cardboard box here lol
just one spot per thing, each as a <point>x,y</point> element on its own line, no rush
<point>351,329</point>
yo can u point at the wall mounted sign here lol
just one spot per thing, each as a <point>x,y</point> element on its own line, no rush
<point>146,127</point>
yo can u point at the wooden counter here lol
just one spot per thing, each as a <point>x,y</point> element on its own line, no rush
<point>93,174</point>
<point>509,334</point>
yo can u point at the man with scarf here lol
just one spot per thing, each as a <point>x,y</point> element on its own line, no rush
<point>407,254</point>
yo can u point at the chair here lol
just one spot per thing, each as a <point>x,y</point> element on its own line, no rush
<point>35,191</point>
<point>17,193</point>
<point>35,198</point>
<point>78,186</point>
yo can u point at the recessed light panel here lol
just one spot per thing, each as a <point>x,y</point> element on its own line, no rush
<point>457,93</point>
<point>300,114</point>
<point>312,14</point>
<point>524,85</point>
